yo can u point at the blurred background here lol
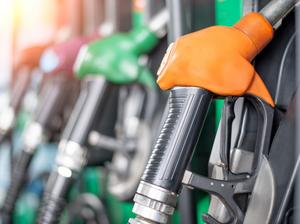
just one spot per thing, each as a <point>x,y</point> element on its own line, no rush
<point>24,23</point>
<point>80,109</point>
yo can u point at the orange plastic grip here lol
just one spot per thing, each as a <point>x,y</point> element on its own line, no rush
<point>30,57</point>
<point>218,59</point>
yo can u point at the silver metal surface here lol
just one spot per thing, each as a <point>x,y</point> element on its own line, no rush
<point>71,155</point>
<point>216,208</point>
<point>134,135</point>
<point>178,24</point>
<point>109,25</point>
<point>286,197</point>
<point>33,137</point>
<point>152,214</point>
<point>144,201</point>
<point>102,141</point>
<point>186,177</point>
<point>7,120</point>
<point>277,10</point>
<point>157,193</point>
<point>153,204</point>
<point>64,171</point>
<point>130,167</point>
<point>158,24</point>
<point>152,7</point>
<point>241,161</point>
<point>250,6</point>
<point>262,199</point>
<point>139,220</point>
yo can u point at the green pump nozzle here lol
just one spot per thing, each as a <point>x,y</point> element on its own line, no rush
<point>118,57</point>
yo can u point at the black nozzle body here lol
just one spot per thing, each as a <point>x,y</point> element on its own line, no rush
<point>180,132</point>
<point>93,96</point>
<point>90,103</point>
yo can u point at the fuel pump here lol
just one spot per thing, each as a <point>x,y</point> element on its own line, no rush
<point>71,149</point>
<point>57,96</point>
<point>187,17</point>
<point>280,79</point>
<point>190,97</point>
<point>116,59</point>
<point>138,112</point>
<point>26,61</point>
<point>139,115</point>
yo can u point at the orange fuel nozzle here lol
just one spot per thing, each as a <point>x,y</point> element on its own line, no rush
<point>218,59</point>
<point>30,57</point>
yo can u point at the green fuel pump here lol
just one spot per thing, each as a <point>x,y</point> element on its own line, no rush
<point>118,56</point>
<point>118,60</point>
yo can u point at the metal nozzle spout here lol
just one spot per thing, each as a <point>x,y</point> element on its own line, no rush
<point>277,10</point>
<point>159,23</point>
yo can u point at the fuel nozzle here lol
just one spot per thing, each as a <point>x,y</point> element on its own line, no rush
<point>194,80</point>
<point>61,180</point>
<point>26,61</point>
<point>7,121</point>
<point>72,151</point>
<point>118,56</point>
<point>115,60</point>
<point>58,93</point>
<point>60,58</point>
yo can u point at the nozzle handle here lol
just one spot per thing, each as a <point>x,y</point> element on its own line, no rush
<point>89,105</point>
<point>54,98</point>
<point>180,132</point>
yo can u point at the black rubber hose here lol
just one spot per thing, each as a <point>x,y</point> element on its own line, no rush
<point>54,199</point>
<point>51,209</point>
<point>18,179</point>
<point>87,201</point>
<point>95,93</point>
